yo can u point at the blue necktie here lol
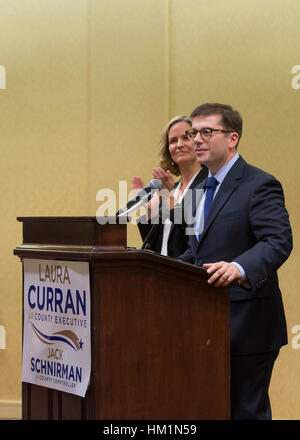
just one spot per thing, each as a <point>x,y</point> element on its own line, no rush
<point>210,188</point>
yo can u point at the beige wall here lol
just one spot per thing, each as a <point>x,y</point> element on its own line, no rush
<point>89,86</point>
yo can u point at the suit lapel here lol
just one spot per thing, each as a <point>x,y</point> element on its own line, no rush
<point>228,186</point>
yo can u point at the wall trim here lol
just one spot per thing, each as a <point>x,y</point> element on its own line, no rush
<point>10,409</point>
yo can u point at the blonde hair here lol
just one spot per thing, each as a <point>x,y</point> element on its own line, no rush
<point>165,159</point>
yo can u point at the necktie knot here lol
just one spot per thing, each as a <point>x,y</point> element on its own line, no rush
<point>211,182</point>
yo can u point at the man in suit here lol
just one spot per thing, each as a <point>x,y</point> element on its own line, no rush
<point>243,235</point>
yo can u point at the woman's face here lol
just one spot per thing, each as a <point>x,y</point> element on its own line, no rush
<point>180,147</point>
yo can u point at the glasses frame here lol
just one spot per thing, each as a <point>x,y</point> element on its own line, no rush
<point>206,128</point>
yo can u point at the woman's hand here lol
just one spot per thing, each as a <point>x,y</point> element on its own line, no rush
<point>153,205</point>
<point>167,189</point>
<point>137,183</point>
<point>166,178</point>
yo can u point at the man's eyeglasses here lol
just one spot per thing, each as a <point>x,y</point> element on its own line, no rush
<point>205,133</point>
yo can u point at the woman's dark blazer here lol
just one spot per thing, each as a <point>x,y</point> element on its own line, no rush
<point>178,240</point>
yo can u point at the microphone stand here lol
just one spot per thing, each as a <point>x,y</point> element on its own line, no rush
<point>146,243</point>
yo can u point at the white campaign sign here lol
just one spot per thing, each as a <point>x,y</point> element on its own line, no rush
<point>57,325</point>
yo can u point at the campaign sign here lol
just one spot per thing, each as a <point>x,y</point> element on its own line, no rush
<point>57,325</point>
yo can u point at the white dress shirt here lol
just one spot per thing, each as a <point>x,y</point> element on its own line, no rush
<point>167,223</point>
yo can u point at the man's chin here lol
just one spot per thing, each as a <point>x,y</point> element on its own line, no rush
<point>202,158</point>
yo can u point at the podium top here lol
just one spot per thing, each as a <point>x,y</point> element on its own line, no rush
<point>101,233</point>
<point>87,219</point>
<point>83,238</point>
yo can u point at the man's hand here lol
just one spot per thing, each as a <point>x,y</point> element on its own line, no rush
<point>223,273</point>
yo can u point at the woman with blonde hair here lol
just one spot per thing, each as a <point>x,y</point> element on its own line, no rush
<point>177,157</point>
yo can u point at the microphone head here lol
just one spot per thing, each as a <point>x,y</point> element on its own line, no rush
<point>142,196</point>
<point>155,184</point>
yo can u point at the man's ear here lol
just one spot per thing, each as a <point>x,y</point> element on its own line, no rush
<point>234,139</point>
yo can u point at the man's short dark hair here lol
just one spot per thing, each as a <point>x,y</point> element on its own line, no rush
<point>230,118</point>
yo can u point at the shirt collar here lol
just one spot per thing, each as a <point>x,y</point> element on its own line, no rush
<point>222,172</point>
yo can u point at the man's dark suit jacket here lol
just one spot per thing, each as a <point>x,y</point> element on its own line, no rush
<point>248,224</point>
<point>178,240</point>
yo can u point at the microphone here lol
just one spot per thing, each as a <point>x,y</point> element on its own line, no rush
<point>142,197</point>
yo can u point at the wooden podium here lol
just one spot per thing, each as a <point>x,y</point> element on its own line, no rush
<point>160,333</point>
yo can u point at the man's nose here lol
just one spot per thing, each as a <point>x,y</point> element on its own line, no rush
<point>198,138</point>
